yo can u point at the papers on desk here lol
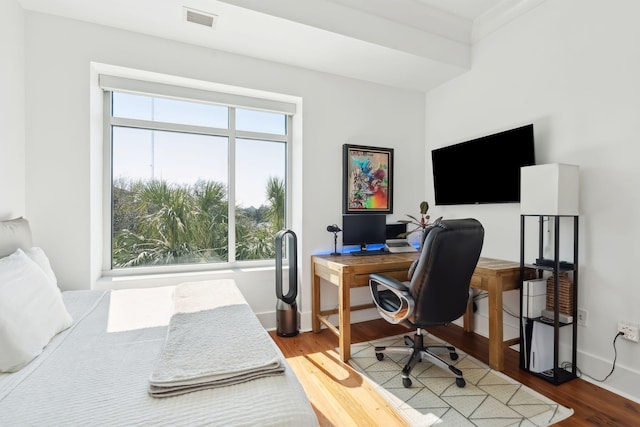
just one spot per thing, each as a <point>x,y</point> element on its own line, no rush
<point>399,245</point>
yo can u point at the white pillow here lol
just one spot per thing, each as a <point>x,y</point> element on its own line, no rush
<point>31,311</point>
<point>14,234</point>
<point>38,256</point>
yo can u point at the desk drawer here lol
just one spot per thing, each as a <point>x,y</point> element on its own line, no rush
<point>363,279</point>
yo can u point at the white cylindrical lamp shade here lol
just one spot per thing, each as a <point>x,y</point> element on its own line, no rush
<point>550,189</point>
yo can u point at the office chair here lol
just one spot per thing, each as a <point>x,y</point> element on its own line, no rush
<point>436,293</point>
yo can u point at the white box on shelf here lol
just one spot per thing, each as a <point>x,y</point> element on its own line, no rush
<point>550,189</point>
<point>564,318</point>
<point>541,357</point>
<point>534,297</point>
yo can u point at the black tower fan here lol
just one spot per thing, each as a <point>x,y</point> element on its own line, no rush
<point>287,316</point>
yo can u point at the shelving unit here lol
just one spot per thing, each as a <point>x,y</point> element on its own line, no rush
<point>556,374</point>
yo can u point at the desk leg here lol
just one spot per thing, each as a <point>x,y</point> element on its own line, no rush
<point>315,300</point>
<point>344,321</point>
<point>467,319</point>
<point>496,338</point>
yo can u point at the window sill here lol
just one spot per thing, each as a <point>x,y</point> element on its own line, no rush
<point>169,278</point>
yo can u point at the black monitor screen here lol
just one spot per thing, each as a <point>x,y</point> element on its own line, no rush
<point>363,229</point>
<point>393,230</point>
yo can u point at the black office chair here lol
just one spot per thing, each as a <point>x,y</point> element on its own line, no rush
<point>436,293</point>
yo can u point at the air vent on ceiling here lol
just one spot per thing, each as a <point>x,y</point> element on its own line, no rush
<point>201,18</point>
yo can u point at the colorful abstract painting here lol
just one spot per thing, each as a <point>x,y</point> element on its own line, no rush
<point>368,179</point>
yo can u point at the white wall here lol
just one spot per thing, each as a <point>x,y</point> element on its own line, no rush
<point>12,143</point>
<point>63,159</point>
<point>570,67</point>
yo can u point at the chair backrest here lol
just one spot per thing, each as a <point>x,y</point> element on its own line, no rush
<point>440,282</point>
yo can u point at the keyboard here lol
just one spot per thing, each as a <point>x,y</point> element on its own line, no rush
<point>370,253</point>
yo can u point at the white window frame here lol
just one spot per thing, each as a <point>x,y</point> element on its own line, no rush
<point>110,84</point>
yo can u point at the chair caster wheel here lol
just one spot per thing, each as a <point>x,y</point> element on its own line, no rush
<point>460,382</point>
<point>406,382</point>
<point>379,356</point>
<point>453,356</point>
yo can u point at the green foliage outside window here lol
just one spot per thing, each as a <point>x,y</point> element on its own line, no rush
<point>158,223</point>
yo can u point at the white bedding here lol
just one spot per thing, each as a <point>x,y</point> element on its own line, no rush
<point>97,374</point>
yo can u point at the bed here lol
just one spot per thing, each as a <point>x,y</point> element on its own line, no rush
<point>97,370</point>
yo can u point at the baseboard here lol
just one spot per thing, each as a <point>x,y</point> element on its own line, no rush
<point>481,326</point>
<point>623,381</point>
<point>268,320</point>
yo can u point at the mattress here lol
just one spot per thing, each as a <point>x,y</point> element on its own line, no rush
<point>97,373</point>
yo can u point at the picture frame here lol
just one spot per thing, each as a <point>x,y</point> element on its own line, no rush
<point>367,175</point>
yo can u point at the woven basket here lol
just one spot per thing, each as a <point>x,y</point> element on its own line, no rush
<point>565,293</point>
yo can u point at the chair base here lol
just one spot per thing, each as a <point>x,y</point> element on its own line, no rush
<point>417,351</point>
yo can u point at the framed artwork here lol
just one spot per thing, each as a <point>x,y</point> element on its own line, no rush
<point>367,174</point>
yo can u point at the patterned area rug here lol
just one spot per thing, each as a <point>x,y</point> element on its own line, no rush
<point>489,399</point>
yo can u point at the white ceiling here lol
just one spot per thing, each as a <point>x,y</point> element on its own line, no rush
<point>412,44</point>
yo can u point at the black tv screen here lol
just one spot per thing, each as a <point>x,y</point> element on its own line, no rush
<point>483,170</point>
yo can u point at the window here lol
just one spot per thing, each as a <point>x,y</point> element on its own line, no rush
<point>176,163</point>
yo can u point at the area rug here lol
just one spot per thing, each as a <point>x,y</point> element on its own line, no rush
<point>489,399</point>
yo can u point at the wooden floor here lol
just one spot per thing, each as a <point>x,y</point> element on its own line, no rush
<point>340,397</point>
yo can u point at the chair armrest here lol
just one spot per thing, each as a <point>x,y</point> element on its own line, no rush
<point>412,269</point>
<point>405,303</point>
<point>389,282</point>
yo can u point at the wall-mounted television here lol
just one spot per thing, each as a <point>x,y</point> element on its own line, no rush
<point>483,170</point>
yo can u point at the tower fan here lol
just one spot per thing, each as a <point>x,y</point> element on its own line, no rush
<point>287,316</point>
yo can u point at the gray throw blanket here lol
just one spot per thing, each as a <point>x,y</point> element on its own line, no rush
<point>214,339</point>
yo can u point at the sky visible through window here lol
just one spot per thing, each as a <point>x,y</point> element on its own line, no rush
<point>181,158</point>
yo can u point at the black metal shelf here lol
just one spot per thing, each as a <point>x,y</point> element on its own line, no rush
<point>550,322</point>
<point>547,268</point>
<point>556,375</point>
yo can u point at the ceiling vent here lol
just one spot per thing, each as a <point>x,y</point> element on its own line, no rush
<point>208,20</point>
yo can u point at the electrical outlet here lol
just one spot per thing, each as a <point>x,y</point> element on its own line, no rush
<point>583,317</point>
<point>629,330</point>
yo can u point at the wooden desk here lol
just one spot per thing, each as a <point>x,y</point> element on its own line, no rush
<point>346,272</point>
<point>495,276</point>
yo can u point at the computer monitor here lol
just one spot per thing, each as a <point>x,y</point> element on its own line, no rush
<point>363,229</point>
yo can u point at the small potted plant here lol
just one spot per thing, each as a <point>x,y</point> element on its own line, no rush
<point>419,223</point>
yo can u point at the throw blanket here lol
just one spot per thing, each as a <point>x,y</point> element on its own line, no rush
<point>213,340</point>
